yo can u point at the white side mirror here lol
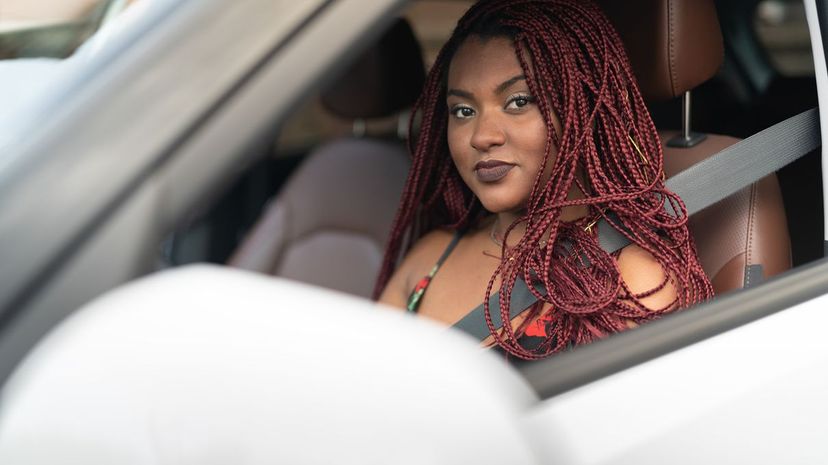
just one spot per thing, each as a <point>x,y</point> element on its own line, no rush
<point>206,365</point>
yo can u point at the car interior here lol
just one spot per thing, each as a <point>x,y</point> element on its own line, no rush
<point>328,224</point>
<point>746,234</point>
<point>318,209</point>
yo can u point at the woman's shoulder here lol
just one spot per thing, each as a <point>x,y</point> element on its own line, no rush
<point>424,254</point>
<point>642,273</point>
<point>416,264</point>
<point>427,250</point>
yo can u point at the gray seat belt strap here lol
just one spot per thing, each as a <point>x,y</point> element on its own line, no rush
<point>747,161</point>
<point>699,186</point>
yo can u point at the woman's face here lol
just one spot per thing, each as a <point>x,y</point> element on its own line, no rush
<point>496,133</point>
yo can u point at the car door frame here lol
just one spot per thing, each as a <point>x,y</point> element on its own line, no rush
<point>213,82</point>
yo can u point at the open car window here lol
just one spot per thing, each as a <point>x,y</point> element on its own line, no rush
<point>217,227</point>
<point>170,149</point>
<point>732,103</point>
<point>52,29</point>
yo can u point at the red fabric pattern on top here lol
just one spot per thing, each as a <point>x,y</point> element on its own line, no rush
<point>537,328</point>
<point>422,284</point>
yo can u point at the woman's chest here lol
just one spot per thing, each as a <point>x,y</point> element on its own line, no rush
<point>459,286</point>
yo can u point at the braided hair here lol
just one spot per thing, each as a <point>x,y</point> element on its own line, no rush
<point>576,68</point>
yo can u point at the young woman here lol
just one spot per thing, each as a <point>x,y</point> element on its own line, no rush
<point>532,129</point>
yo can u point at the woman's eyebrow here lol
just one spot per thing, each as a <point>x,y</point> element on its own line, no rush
<point>508,83</point>
<point>499,89</point>
<point>460,93</point>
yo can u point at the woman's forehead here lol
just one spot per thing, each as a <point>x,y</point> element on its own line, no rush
<point>483,63</point>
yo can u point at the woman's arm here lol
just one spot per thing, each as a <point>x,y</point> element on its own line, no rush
<point>642,272</point>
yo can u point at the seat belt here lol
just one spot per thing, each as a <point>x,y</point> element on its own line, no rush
<point>699,186</point>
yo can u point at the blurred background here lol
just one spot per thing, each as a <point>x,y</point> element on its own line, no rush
<point>51,28</point>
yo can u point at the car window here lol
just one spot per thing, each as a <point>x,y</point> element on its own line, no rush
<point>721,106</point>
<point>53,29</point>
<point>37,39</point>
<point>782,29</point>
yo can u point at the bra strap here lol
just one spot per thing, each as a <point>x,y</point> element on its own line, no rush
<point>454,240</point>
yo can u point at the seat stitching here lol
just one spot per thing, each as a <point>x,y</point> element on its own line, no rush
<point>671,46</point>
<point>751,219</point>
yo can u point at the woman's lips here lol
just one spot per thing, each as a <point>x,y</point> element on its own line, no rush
<point>492,170</point>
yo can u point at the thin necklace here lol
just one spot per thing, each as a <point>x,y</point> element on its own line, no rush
<point>492,235</point>
<point>499,242</point>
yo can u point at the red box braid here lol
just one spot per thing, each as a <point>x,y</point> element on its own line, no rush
<point>576,67</point>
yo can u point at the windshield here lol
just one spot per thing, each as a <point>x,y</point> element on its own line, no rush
<point>51,28</point>
<point>36,40</point>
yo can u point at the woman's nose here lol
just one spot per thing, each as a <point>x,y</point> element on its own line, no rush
<point>488,133</point>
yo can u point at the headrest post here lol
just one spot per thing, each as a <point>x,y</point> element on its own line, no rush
<point>685,114</point>
<point>402,124</point>
<point>687,138</point>
<point>358,128</point>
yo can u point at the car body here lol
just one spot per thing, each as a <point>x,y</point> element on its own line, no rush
<point>142,133</point>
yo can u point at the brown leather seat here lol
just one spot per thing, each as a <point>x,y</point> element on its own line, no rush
<point>329,223</point>
<point>675,45</point>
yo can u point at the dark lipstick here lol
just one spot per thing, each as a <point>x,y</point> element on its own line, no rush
<point>492,170</point>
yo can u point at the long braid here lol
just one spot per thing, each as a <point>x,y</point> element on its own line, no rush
<point>577,69</point>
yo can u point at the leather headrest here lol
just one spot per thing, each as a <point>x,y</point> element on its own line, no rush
<point>673,45</point>
<point>385,80</point>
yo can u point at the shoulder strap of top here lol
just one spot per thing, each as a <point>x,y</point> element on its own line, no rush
<point>417,294</point>
<point>449,248</point>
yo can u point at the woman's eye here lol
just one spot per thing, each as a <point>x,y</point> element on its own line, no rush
<point>519,101</point>
<point>462,112</point>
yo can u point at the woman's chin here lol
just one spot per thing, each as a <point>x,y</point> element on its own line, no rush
<point>497,206</point>
<point>503,196</point>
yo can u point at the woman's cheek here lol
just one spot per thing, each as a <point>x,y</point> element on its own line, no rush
<point>457,148</point>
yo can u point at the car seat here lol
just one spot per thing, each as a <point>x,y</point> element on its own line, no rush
<point>328,225</point>
<point>675,45</point>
